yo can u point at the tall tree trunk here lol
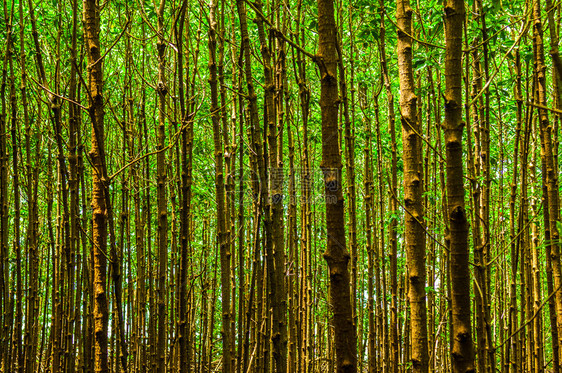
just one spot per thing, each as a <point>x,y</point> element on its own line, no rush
<point>5,307</point>
<point>74,122</point>
<point>31,325</point>
<point>413,190</point>
<point>461,337</point>
<point>17,363</point>
<point>369,229</point>
<point>185,209</point>
<point>554,40</point>
<point>484,219</point>
<point>162,202</point>
<point>275,250</point>
<point>336,254</point>
<point>393,205</point>
<point>349,144</point>
<point>550,176</point>
<point>99,178</point>
<point>224,244</point>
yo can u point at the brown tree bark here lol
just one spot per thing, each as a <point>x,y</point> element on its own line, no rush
<point>349,146</point>
<point>550,176</point>
<point>413,190</point>
<point>6,303</point>
<point>4,254</point>
<point>223,241</point>
<point>17,362</point>
<point>275,250</point>
<point>336,254</point>
<point>162,202</point>
<point>32,180</point>
<point>74,122</point>
<point>554,40</point>
<point>185,209</point>
<point>461,337</point>
<point>99,176</point>
<point>395,343</point>
<point>369,226</point>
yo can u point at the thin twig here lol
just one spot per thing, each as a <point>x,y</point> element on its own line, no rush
<point>113,44</point>
<point>57,95</point>
<point>557,111</point>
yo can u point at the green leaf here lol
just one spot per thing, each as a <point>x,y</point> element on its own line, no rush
<point>430,289</point>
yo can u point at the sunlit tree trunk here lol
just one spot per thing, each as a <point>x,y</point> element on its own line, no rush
<point>17,360</point>
<point>550,177</point>
<point>99,176</point>
<point>413,190</point>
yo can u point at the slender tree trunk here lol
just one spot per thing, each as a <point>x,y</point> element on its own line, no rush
<point>162,202</point>
<point>243,307</point>
<point>17,363</point>
<point>224,244</point>
<point>369,230</point>
<point>554,39</point>
<point>413,190</point>
<point>5,306</point>
<point>461,338</point>
<point>393,225</point>
<point>99,176</point>
<point>336,254</point>
<point>275,250</point>
<point>31,325</point>
<point>349,144</point>
<point>74,122</point>
<point>185,209</point>
<point>514,239</point>
<point>550,178</point>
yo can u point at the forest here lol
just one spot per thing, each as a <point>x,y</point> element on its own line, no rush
<point>288,186</point>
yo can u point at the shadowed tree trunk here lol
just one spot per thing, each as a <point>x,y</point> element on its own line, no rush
<point>223,241</point>
<point>336,254</point>
<point>461,337</point>
<point>162,202</point>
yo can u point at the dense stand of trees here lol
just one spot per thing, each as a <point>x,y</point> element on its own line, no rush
<point>280,186</point>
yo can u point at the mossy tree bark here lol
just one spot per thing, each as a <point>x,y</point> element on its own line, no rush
<point>99,179</point>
